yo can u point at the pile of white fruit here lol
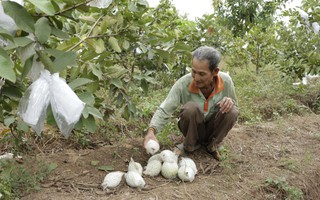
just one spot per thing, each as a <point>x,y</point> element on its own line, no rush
<point>166,163</point>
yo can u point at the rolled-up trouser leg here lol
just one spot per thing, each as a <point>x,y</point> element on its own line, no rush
<point>219,126</point>
<point>191,124</point>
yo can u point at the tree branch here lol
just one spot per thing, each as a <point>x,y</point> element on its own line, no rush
<point>87,36</point>
<point>72,7</point>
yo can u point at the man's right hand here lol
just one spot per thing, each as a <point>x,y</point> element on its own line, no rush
<point>150,135</point>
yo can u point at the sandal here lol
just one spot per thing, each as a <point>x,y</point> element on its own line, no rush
<point>215,154</point>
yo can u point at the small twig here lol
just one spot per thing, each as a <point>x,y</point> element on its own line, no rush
<point>12,132</point>
<point>185,189</point>
<point>245,190</point>
<point>201,167</point>
<point>86,37</point>
<point>75,188</point>
<point>168,182</point>
<point>177,196</point>
<point>87,189</point>
<point>72,7</point>
<point>38,148</point>
<point>116,153</point>
<point>177,191</point>
<point>2,82</point>
<point>88,185</point>
<point>210,167</point>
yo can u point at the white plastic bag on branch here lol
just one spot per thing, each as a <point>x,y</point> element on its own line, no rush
<point>100,3</point>
<point>34,103</point>
<point>35,70</point>
<point>66,105</point>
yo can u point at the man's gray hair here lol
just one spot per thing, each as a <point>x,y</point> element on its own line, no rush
<point>212,55</point>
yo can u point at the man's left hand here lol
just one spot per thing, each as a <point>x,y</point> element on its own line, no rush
<point>225,104</point>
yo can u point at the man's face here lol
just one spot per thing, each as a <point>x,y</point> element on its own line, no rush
<point>201,73</point>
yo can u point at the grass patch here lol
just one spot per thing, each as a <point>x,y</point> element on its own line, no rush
<point>18,180</point>
<point>290,164</point>
<point>268,96</point>
<point>280,189</point>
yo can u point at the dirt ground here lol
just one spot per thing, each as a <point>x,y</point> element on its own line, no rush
<point>287,149</point>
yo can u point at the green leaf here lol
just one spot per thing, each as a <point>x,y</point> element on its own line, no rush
<point>94,162</point>
<point>47,62</point>
<point>44,5</point>
<point>42,30</point>
<point>5,107</point>
<point>90,124</point>
<point>18,42</point>
<point>8,121</point>
<point>87,98</point>
<point>13,92</point>
<point>143,3</point>
<point>116,71</point>
<point>1,113</point>
<point>26,52</point>
<point>52,166</point>
<point>6,66</point>
<point>62,58</point>
<point>97,71</point>
<point>22,126</point>
<point>6,34</point>
<point>106,168</point>
<point>75,72</point>
<point>180,46</point>
<point>126,45</point>
<point>79,82</point>
<point>113,42</point>
<point>117,82</point>
<point>144,85</point>
<point>95,112</point>
<point>85,113</point>
<point>88,55</point>
<point>68,44</point>
<point>96,45</point>
<point>59,33</point>
<point>93,87</point>
<point>132,7</point>
<point>87,18</point>
<point>126,113</point>
<point>20,16</point>
<point>26,68</point>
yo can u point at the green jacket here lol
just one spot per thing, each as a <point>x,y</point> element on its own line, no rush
<point>184,91</point>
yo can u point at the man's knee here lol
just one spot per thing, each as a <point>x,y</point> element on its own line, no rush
<point>190,108</point>
<point>233,114</point>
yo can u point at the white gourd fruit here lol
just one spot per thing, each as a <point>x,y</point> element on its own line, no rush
<point>169,170</point>
<point>155,157</point>
<point>188,162</point>
<point>135,180</point>
<point>152,147</point>
<point>135,166</point>
<point>153,168</point>
<point>112,180</point>
<point>168,156</point>
<point>186,173</point>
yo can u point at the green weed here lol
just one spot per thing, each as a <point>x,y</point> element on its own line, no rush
<point>317,136</point>
<point>290,164</point>
<point>20,179</point>
<point>267,96</point>
<point>164,136</point>
<point>226,161</point>
<point>282,190</point>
